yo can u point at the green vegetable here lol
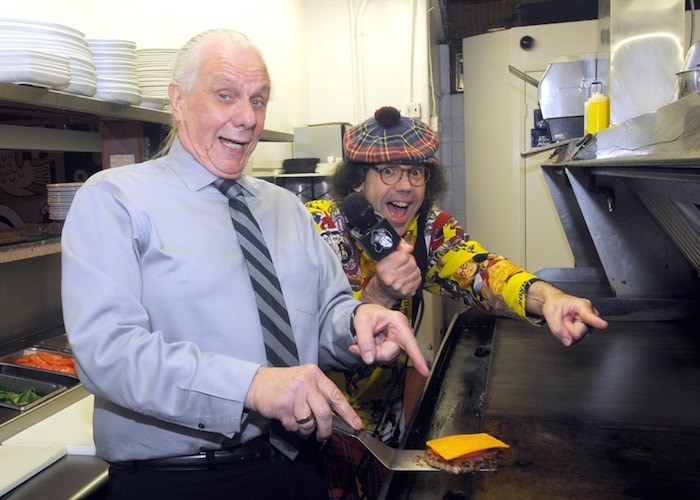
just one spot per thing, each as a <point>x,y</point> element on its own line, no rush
<point>25,397</point>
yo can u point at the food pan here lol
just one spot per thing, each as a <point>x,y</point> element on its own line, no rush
<point>40,375</point>
<point>14,356</point>
<point>58,343</point>
<point>45,390</point>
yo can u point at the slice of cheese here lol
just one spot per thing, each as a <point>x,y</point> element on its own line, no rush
<point>456,445</point>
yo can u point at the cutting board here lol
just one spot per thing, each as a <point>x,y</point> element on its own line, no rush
<point>19,463</point>
<point>70,428</point>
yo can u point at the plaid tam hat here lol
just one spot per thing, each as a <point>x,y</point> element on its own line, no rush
<point>389,137</point>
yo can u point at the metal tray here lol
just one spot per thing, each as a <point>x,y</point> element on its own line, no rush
<point>59,343</point>
<point>12,358</point>
<point>41,375</point>
<point>45,390</point>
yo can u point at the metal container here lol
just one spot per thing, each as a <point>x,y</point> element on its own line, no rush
<point>564,90</point>
<point>58,343</point>
<point>300,165</point>
<point>41,375</point>
<point>45,390</point>
<point>12,358</point>
<point>322,140</point>
<point>687,82</point>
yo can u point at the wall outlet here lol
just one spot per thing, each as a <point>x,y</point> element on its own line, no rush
<point>413,110</point>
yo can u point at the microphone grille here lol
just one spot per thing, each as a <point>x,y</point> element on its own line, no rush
<point>359,212</point>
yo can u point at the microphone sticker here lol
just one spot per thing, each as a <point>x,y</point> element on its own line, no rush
<point>381,240</point>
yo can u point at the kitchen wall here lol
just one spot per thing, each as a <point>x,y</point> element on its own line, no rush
<point>277,26</point>
<point>364,54</point>
<point>330,60</point>
<point>508,206</point>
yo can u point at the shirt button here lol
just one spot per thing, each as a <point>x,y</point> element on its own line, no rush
<point>200,425</point>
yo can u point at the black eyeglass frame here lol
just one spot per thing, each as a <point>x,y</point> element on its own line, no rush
<point>380,170</point>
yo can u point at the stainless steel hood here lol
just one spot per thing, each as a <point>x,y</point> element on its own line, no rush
<point>629,201</point>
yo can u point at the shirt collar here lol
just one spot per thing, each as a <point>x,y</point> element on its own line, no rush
<point>193,174</point>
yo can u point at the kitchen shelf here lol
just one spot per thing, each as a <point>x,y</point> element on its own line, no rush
<point>48,139</point>
<point>33,99</point>
<point>307,174</point>
<point>29,250</point>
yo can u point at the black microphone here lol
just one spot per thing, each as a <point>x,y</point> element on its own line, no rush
<point>375,234</point>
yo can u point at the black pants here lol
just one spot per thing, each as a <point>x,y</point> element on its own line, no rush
<point>270,478</point>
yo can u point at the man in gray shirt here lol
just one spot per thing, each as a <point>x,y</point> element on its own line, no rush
<point>164,322</point>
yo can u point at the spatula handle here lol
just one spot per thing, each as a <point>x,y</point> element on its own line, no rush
<point>341,427</point>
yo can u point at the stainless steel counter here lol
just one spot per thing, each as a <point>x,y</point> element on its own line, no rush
<point>73,476</point>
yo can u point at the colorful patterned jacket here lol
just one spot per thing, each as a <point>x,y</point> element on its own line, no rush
<point>457,267</point>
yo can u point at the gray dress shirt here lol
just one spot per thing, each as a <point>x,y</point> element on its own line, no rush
<point>160,312</point>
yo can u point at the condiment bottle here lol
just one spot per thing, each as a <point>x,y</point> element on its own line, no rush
<point>596,110</point>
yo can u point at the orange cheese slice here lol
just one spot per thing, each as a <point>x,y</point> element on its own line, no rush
<point>456,445</point>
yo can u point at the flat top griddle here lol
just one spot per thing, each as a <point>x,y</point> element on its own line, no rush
<point>615,416</point>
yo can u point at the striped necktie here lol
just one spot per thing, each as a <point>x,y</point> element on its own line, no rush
<point>280,348</point>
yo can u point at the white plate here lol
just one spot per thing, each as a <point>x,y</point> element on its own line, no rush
<point>153,102</point>
<point>84,89</point>
<point>119,97</point>
<point>34,77</point>
<point>40,25</point>
<point>108,44</point>
<point>61,187</point>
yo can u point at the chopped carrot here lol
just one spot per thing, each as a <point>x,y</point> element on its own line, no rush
<point>48,361</point>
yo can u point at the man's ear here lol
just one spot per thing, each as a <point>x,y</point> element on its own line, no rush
<point>174,95</point>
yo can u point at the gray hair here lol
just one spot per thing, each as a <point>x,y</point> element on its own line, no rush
<point>187,64</point>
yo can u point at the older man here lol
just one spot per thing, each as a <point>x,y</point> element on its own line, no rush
<point>200,303</point>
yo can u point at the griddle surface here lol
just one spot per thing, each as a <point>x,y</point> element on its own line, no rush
<point>616,416</point>
<point>557,459</point>
<point>640,374</point>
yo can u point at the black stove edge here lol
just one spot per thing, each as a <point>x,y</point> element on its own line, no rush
<point>476,329</point>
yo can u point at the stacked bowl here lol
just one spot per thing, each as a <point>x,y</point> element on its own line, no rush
<point>59,198</point>
<point>115,62</point>
<point>154,70</point>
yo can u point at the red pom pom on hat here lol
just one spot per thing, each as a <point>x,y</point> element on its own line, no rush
<point>387,116</point>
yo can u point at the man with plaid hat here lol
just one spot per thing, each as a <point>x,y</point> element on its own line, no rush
<point>391,160</point>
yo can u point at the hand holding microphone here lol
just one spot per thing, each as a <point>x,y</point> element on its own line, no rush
<point>371,230</point>
<point>397,273</point>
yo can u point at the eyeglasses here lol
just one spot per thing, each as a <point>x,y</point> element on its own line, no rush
<point>391,175</point>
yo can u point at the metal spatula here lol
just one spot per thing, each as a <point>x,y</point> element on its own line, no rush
<point>391,458</point>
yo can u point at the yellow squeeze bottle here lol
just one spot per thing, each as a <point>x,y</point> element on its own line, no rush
<point>597,111</point>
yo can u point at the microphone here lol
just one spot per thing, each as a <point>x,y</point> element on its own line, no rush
<point>375,234</point>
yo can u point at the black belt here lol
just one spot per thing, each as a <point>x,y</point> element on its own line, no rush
<point>254,450</point>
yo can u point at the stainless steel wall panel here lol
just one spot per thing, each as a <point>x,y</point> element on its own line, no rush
<point>30,297</point>
<point>646,45</point>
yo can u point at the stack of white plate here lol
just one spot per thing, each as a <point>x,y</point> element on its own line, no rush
<point>154,70</point>
<point>29,67</point>
<point>21,35</point>
<point>59,198</point>
<point>115,61</point>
